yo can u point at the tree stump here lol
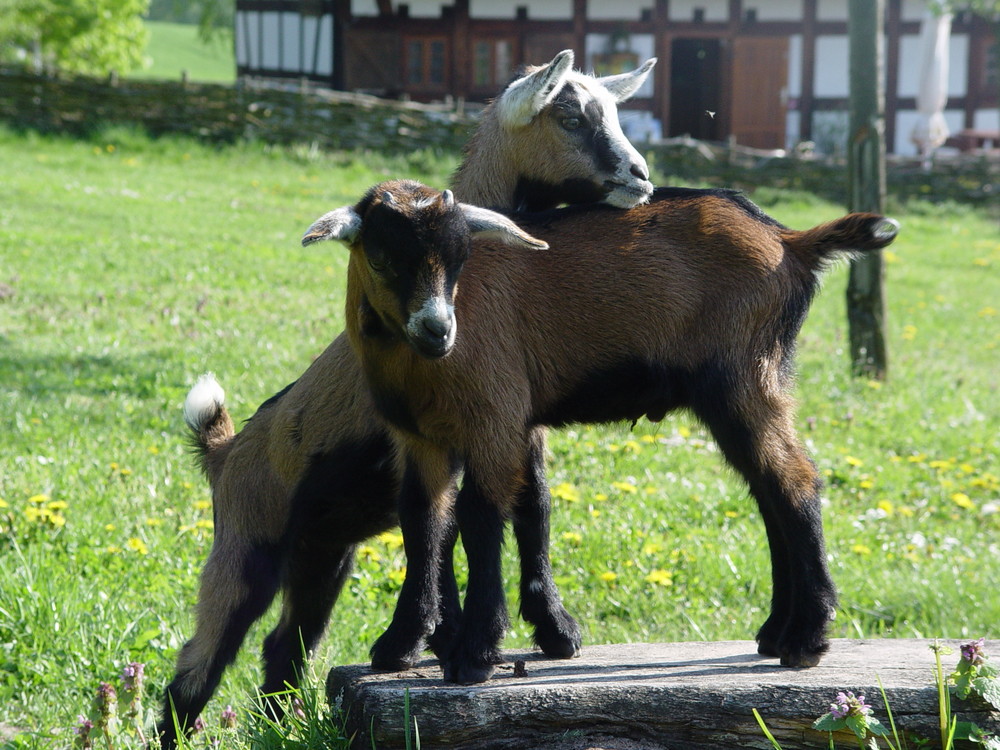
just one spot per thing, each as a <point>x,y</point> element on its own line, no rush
<point>649,697</point>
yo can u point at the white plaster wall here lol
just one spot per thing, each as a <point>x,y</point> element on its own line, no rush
<point>986,119</point>
<point>831,66</point>
<point>269,24</point>
<point>246,52</point>
<point>324,59</point>
<point>424,8</point>
<point>624,10</point>
<point>715,10</point>
<point>909,65</point>
<point>831,10</point>
<point>537,9</point>
<point>795,65</point>
<point>775,10</point>
<point>642,44</point>
<point>290,41</point>
<point>364,8</point>
<point>913,10</point>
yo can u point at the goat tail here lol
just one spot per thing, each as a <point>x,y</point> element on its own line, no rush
<point>853,233</point>
<point>205,413</point>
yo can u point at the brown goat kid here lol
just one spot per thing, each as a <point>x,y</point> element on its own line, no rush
<point>692,301</point>
<point>311,475</point>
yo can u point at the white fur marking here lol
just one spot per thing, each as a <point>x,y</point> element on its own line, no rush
<point>203,402</point>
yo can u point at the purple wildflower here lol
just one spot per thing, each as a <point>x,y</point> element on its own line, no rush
<point>199,725</point>
<point>228,718</point>
<point>849,705</point>
<point>106,703</point>
<point>298,708</point>
<point>83,729</point>
<point>973,652</point>
<point>132,676</point>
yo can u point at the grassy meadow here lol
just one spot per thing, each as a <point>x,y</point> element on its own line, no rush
<point>130,266</point>
<point>175,47</point>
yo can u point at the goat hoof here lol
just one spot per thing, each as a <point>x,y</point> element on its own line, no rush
<point>803,659</point>
<point>561,641</point>
<point>385,658</point>
<point>467,674</point>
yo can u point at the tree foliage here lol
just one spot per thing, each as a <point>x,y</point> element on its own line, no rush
<point>77,36</point>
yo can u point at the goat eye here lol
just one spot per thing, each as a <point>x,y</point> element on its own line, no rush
<point>571,123</point>
<point>377,265</point>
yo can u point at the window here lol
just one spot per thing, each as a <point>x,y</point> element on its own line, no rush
<point>426,63</point>
<point>491,63</point>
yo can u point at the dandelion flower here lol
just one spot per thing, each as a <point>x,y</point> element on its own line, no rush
<point>963,501</point>
<point>625,487</point>
<point>608,576</point>
<point>660,578</point>
<point>572,537</point>
<point>137,545</point>
<point>566,491</point>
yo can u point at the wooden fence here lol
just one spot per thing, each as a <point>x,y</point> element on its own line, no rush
<point>276,114</point>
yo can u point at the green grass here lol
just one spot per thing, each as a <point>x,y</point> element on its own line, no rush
<point>135,265</point>
<point>175,47</point>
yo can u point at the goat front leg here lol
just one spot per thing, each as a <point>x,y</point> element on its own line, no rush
<point>556,632</point>
<point>424,507</point>
<point>476,648</point>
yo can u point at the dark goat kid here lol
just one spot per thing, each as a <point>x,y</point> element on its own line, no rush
<point>311,475</point>
<point>692,301</point>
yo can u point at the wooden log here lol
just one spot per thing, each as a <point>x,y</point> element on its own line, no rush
<point>640,696</point>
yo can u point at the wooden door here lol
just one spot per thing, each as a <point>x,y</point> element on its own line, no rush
<point>759,86</point>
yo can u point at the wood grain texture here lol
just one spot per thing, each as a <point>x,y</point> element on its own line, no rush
<point>649,697</point>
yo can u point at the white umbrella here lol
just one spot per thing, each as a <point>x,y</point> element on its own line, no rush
<point>931,129</point>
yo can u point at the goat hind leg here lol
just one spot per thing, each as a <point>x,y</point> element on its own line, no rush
<point>556,632</point>
<point>759,441</point>
<point>238,583</point>
<point>317,573</point>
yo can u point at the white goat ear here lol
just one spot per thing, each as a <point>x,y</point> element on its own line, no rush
<point>342,224</point>
<point>623,85</point>
<point>526,97</point>
<point>491,225</point>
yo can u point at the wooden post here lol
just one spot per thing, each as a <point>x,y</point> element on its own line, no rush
<point>866,179</point>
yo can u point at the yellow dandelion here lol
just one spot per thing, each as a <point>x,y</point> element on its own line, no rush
<point>660,578</point>
<point>731,514</point>
<point>57,505</point>
<point>398,576</point>
<point>154,522</point>
<point>3,503</point>
<point>632,446</point>
<point>866,484</point>
<point>154,450</point>
<point>627,487</point>
<point>874,384</point>
<point>595,513</point>
<point>391,539</point>
<point>963,501</point>
<point>566,491</point>
<point>852,461</point>
<point>202,504</point>
<point>889,256</point>
<point>608,576</point>
<point>861,549</point>
<point>886,507</point>
<point>113,549</point>
<point>205,523</point>
<point>572,537</point>
<point>909,333</point>
<point>614,447</point>
<point>988,312</point>
<point>905,511</point>
<point>651,548</point>
<point>684,432</point>
<point>369,553</point>
<point>125,472</point>
<point>600,497</point>
<point>38,499</point>
<point>109,527</point>
<point>648,438</point>
<point>137,545</point>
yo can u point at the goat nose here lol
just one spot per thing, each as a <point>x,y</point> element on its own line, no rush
<point>438,327</point>
<point>639,170</point>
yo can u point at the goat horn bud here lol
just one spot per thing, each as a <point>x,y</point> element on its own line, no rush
<point>448,198</point>
<point>387,198</point>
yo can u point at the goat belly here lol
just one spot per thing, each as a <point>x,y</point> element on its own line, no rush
<point>622,392</point>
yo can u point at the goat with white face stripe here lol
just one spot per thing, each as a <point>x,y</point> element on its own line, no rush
<point>553,136</point>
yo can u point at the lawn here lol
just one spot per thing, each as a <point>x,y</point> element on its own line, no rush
<point>131,266</point>
<point>175,47</point>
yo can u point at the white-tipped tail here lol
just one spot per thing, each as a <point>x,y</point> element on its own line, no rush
<point>203,402</point>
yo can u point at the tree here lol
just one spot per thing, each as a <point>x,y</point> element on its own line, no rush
<point>78,36</point>
<point>214,17</point>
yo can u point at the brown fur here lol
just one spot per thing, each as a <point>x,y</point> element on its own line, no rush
<point>698,294</point>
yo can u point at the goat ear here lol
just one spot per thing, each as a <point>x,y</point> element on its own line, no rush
<point>623,85</point>
<point>491,225</point>
<point>526,97</point>
<point>342,224</point>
